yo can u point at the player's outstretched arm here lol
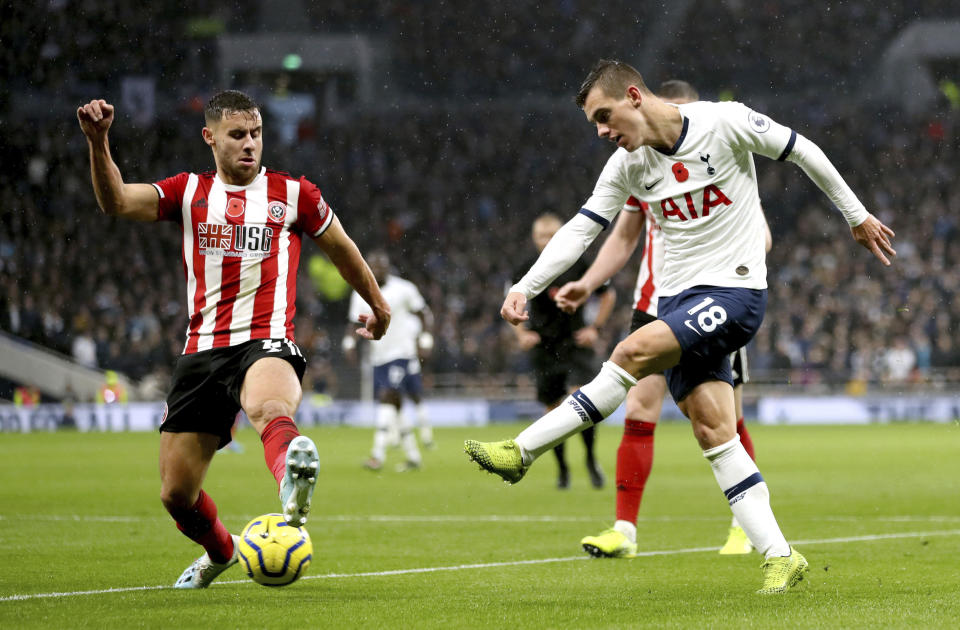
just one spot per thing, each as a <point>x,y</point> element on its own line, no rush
<point>875,236</point>
<point>866,228</point>
<point>613,255</point>
<point>343,252</point>
<point>132,201</point>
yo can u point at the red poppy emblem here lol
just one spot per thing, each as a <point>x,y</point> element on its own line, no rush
<point>680,172</point>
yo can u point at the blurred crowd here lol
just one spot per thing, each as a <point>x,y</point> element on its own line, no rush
<point>451,187</point>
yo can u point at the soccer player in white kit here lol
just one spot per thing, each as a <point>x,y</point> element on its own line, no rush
<point>644,401</point>
<point>242,227</point>
<point>396,363</point>
<point>693,164</point>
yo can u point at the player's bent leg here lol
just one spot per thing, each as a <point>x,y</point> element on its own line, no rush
<point>270,395</point>
<point>184,460</point>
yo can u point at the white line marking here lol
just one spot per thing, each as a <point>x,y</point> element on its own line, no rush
<point>490,518</point>
<point>488,565</point>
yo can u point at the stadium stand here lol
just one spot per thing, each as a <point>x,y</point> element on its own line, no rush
<point>484,138</point>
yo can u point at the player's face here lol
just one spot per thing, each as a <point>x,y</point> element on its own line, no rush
<point>615,117</point>
<point>237,143</point>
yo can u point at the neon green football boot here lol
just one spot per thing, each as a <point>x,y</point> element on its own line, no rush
<point>780,573</point>
<point>609,543</point>
<point>737,543</point>
<point>500,458</point>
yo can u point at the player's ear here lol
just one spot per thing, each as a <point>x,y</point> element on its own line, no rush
<point>635,95</point>
<point>208,136</point>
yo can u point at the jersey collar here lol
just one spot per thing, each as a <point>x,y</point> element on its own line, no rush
<point>676,145</point>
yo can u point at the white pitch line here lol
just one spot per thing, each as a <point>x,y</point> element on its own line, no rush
<point>487,565</point>
<point>490,518</point>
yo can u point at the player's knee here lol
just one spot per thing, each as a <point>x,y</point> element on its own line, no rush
<point>262,412</point>
<point>633,354</point>
<point>176,497</point>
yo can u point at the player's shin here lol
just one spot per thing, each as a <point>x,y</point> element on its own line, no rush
<point>748,495</point>
<point>634,462</point>
<point>200,524</point>
<point>585,407</point>
<point>276,437</point>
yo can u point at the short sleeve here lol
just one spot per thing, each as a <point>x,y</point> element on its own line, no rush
<point>314,215</point>
<point>756,132</point>
<point>171,192</point>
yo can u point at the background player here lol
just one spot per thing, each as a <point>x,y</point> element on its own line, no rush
<point>396,363</point>
<point>242,227</point>
<point>561,345</point>
<point>691,163</point>
<point>645,400</point>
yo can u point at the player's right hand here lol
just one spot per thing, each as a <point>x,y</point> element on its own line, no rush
<point>514,308</point>
<point>571,296</point>
<point>95,118</point>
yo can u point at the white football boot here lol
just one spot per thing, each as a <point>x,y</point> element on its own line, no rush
<point>204,570</point>
<point>299,480</point>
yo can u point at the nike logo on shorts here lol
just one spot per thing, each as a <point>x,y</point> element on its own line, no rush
<point>687,323</point>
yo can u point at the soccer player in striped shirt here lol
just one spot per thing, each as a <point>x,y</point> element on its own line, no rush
<point>693,165</point>
<point>242,227</point>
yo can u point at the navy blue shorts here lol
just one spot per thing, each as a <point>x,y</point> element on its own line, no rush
<point>710,323</point>
<point>402,375</point>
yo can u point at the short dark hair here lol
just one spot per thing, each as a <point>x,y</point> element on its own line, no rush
<point>675,88</point>
<point>613,77</point>
<point>225,102</point>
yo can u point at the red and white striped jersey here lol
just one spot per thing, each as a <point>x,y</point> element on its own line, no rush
<point>241,249</point>
<point>646,293</point>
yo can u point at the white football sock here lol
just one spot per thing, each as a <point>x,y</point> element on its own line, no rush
<point>628,529</point>
<point>748,495</point>
<point>584,408</point>
<point>407,439</point>
<point>386,417</point>
<point>423,421</point>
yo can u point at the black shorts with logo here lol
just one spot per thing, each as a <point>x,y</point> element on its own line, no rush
<point>205,392</point>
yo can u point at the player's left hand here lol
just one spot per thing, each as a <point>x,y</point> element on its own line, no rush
<point>514,308</point>
<point>373,327</point>
<point>875,236</point>
<point>586,336</point>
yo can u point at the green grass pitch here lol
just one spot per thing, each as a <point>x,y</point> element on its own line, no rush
<point>84,541</point>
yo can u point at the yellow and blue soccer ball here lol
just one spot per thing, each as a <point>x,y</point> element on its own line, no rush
<point>274,553</point>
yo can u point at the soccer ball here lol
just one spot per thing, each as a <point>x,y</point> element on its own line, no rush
<point>274,553</point>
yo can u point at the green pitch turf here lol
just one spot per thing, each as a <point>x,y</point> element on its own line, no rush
<point>84,541</point>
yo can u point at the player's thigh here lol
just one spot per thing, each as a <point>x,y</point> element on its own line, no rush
<point>648,350</point>
<point>184,460</point>
<point>271,387</point>
<point>645,399</point>
<point>710,408</point>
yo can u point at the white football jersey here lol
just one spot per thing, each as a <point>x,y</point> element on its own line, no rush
<point>703,194</point>
<point>400,340</point>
